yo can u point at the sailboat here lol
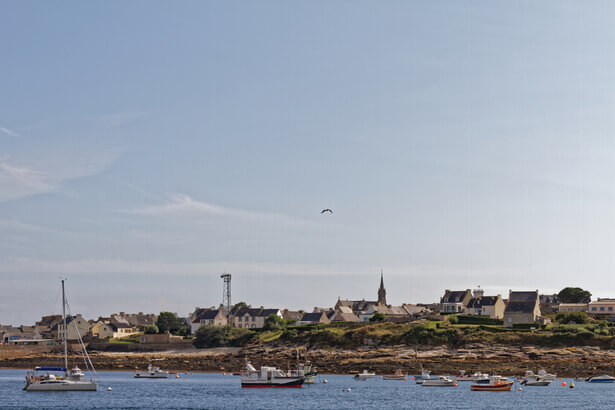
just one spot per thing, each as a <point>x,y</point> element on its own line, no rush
<point>70,381</point>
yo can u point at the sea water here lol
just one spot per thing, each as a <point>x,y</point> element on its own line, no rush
<point>216,391</point>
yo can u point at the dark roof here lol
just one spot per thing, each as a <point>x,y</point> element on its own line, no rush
<point>474,303</point>
<point>119,325</point>
<point>312,317</point>
<point>254,312</point>
<point>488,300</point>
<point>210,314</point>
<point>68,320</point>
<point>523,296</point>
<point>520,306</point>
<point>549,298</point>
<point>454,296</point>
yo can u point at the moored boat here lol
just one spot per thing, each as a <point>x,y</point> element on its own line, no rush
<point>470,378</point>
<point>423,376</point>
<point>492,383</point>
<point>270,377</point>
<point>70,381</point>
<point>152,372</point>
<point>605,378</point>
<point>441,381</point>
<point>532,379</point>
<point>399,375</point>
<point>364,376</point>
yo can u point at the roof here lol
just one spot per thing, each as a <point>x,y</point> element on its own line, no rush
<point>523,296</point>
<point>344,309</point>
<point>520,306</point>
<point>119,325</point>
<point>455,296</point>
<point>259,312</point>
<point>603,302</point>
<point>482,301</point>
<point>345,317</point>
<point>312,317</point>
<point>209,315</point>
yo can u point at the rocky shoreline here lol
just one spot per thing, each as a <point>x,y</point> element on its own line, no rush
<point>579,361</point>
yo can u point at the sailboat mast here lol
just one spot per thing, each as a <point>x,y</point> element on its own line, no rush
<point>65,329</point>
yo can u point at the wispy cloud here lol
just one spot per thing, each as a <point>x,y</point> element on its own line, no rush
<point>19,179</point>
<point>184,205</point>
<point>8,132</point>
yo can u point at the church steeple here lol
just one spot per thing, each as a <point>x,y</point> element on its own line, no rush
<point>382,293</point>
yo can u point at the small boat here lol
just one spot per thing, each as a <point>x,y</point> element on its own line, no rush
<point>547,376</point>
<point>424,376</point>
<point>531,379</point>
<point>470,378</point>
<point>492,383</point>
<point>308,372</point>
<point>399,375</point>
<point>441,381</point>
<point>270,377</point>
<point>152,372</point>
<point>605,378</point>
<point>70,381</point>
<point>364,376</point>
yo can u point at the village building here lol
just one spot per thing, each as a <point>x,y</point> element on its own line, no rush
<point>523,307</point>
<point>455,301</point>
<point>490,306</point>
<point>76,326</point>
<point>573,307</point>
<point>251,318</point>
<point>314,319</point>
<point>602,306</point>
<point>211,317</point>
<point>344,314</point>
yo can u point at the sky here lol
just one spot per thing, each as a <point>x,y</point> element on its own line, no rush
<point>146,147</point>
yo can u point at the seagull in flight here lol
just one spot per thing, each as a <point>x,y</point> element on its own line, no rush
<point>326,210</point>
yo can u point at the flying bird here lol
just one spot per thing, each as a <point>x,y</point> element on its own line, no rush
<point>326,210</point>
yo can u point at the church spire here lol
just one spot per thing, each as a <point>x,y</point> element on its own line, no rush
<point>382,293</point>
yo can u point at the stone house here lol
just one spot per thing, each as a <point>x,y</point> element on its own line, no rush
<point>76,326</point>
<point>491,306</point>
<point>214,317</point>
<point>455,301</point>
<point>314,319</point>
<point>250,318</point>
<point>522,307</point>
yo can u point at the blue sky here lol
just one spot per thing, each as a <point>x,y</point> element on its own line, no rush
<point>147,147</point>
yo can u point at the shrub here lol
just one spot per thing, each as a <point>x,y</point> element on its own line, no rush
<point>218,336</point>
<point>576,317</point>
<point>453,319</point>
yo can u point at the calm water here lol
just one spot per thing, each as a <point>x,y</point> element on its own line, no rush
<point>216,391</point>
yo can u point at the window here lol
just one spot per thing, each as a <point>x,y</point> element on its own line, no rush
<point>602,308</point>
<point>593,308</point>
<point>610,309</point>
<point>253,319</point>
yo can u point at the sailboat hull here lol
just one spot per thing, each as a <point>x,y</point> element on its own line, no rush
<point>62,385</point>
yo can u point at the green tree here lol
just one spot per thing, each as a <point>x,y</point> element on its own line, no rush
<point>151,330</point>
<point>574,295</point>
<point>377,317</point>
<point>274,322</point>
<point>167,322</point>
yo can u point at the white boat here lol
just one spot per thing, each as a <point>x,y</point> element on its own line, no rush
<point>270,377</point>
<point>441,381</point>
<point>547,376</point>
<point>532,379</point>
<point>69,381</point>
<point>364,376</point>
<point>424,376</point>
<point>605,378</point>
<point>152,372</point>
<point>470,378</point>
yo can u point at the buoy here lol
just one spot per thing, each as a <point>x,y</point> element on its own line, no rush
<point>571,385</point>
<point>405,380</point>
<point>520,389</point>
<point>346,390</point>
<point>177,376</point>
<point>413,378</point>
<point>108,388</point>
<point>564,384</point>
<point>324,380</point>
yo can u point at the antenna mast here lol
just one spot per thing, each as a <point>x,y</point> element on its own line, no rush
<point>226,293</point>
